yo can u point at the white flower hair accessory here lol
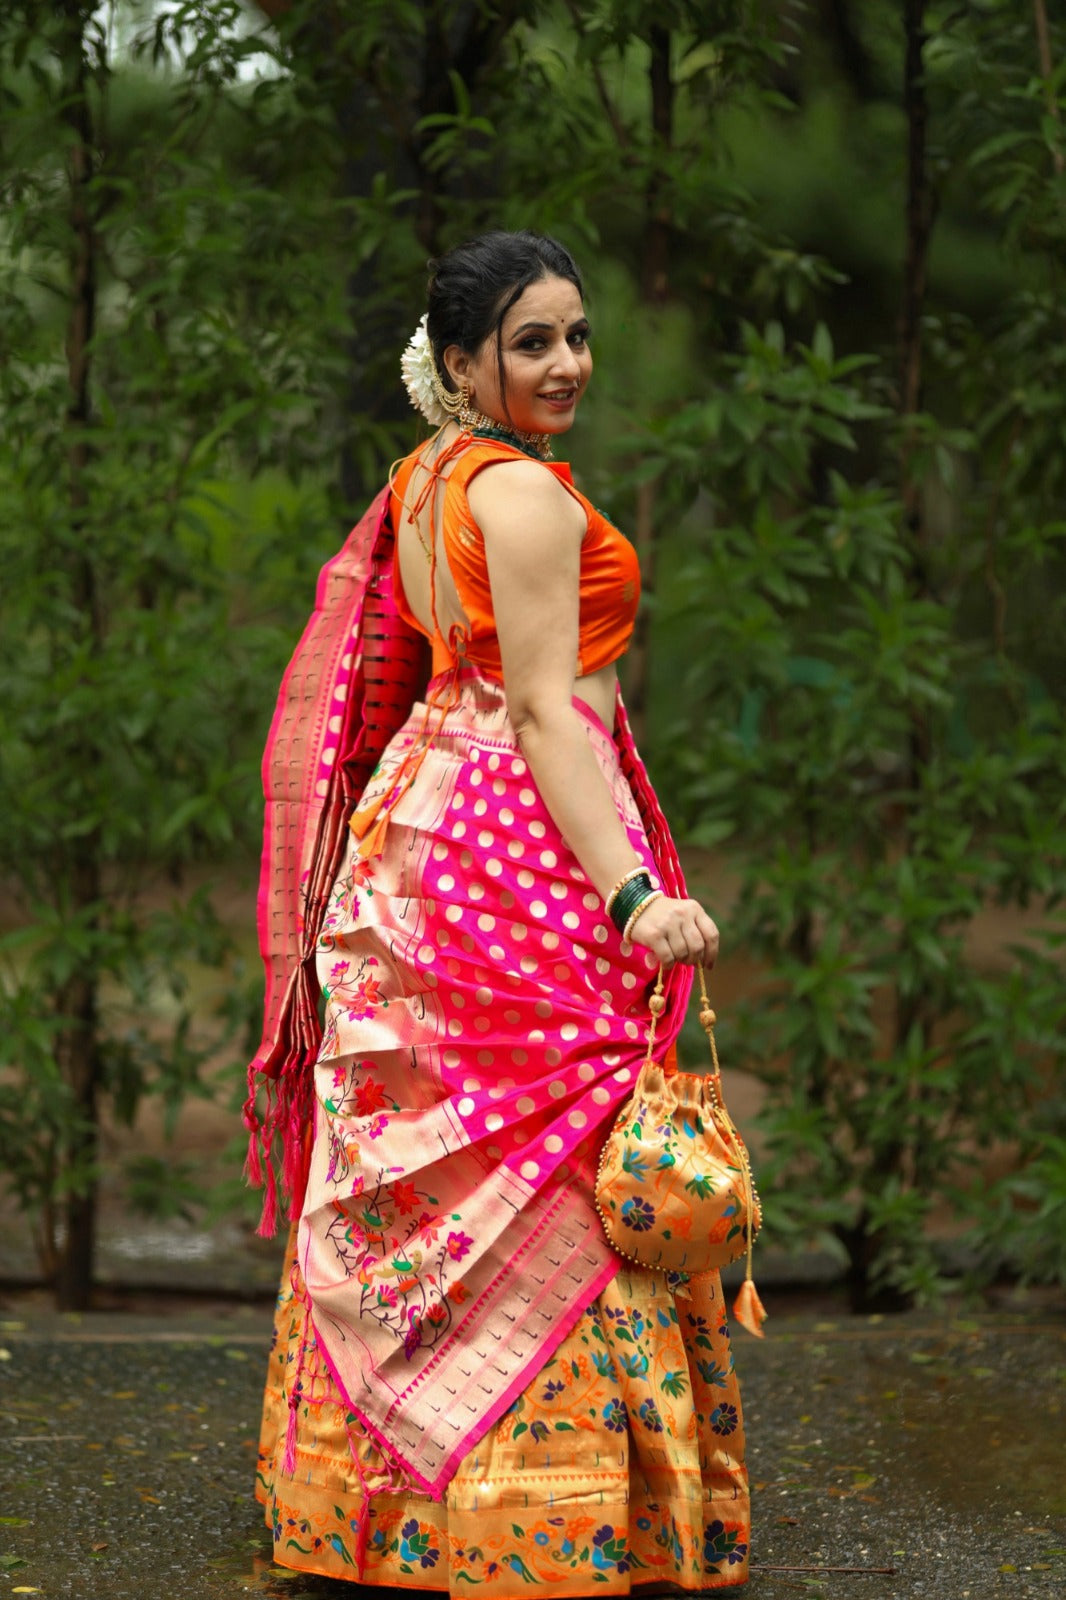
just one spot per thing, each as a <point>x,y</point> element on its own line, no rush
<point>419,372</point>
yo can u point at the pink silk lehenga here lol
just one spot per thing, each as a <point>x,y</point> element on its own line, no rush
<point>467,1388</point>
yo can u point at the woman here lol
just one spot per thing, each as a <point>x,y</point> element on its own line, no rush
<point>468,1387</point>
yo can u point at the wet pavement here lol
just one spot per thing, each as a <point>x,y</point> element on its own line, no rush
<point>927,1451</point>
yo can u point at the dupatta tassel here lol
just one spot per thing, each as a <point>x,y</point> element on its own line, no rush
<point>362,1524</point>
<point>296,1394</point>
<point>397,1482</point>
<point>268,1217</point>
<point>285,1079</point>
<point>258,1168</point>
<point>254,1170</point>
<point>288,1464</point>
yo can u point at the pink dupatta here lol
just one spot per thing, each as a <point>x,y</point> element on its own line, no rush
<point>349,686</point>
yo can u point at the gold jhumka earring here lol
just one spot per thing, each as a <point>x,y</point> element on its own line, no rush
<point>459,404</point>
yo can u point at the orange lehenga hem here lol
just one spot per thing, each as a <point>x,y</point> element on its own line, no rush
<point>621,1465</point>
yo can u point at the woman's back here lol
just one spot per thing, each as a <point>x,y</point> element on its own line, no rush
<point>437,493</point>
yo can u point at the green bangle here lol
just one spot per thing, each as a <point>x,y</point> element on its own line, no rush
<point>628,898</point>
<point>656,894</point>
<point>627,877</point>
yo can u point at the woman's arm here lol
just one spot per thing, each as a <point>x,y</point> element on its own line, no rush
<point>533,531</point>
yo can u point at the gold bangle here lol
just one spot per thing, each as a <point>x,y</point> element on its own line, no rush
<point>612,897</point>
<point>656,894</point>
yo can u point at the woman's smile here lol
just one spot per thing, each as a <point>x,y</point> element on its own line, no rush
<point>563,399</point>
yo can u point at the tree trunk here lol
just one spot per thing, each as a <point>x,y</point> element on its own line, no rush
<point>919,221</point>
<point>655,288</point>
<point>865,1244</point>
<point>655,268</point>
<point>77,1046</point>
<point>1047,67</point>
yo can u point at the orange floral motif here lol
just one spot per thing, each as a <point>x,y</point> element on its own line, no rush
<point>364,1000</point>
<point>369,1097</point>
<point>362,872</point>
<point>405,1198</point>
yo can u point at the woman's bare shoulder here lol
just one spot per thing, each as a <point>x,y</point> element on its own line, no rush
<point>529,487</point>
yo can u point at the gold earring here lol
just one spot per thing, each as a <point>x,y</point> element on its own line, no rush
<point>455,402</point>
<point>468,416</point>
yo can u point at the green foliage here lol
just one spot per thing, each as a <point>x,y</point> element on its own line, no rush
<point>856,616</point>
<point>1028,1230</point>
<point>155,332</point>
<point>873,720</point>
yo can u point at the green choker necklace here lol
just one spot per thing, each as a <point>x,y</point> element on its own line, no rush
<point>536,445</point>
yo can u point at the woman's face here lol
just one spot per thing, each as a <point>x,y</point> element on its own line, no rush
<point>546,360</point>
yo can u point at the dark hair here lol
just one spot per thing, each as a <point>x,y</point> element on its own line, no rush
<point>472,288</point>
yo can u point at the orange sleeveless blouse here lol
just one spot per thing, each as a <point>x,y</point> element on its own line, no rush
<point>610,573</point>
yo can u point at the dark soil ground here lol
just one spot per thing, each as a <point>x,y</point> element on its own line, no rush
<point>905,1458</point>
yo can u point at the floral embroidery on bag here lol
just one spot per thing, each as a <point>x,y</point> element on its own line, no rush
<point>684,1213</point>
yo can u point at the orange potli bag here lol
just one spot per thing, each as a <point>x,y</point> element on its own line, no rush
<point>674,1187</point>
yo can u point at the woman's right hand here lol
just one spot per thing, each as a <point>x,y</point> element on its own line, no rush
<point>677,931</point>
